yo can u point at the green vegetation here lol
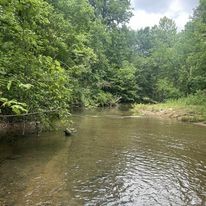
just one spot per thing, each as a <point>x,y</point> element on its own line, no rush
<point>189,109</point>
<point>55,54</point>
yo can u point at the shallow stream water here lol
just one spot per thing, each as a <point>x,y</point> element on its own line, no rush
<point>113,159</point>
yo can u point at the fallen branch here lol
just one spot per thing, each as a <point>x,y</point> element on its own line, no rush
<point>27,114</point>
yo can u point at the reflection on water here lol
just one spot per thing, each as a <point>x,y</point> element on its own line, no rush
<point>113,159</point>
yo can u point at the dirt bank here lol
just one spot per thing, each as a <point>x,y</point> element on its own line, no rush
<point>18,129</point>
<point>180,114</point>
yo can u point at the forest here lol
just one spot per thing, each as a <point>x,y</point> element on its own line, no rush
<point>57,54</point>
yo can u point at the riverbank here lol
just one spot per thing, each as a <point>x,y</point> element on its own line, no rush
<point>18,129</point>
<point>188,109</point>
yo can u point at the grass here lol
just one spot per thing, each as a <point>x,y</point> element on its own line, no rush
<point>189,109</point>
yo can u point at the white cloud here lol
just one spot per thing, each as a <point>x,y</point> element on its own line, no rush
<point>142,19</point>
<point>175,10</point>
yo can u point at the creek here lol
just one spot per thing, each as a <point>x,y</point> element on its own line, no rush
<point>113,159</point>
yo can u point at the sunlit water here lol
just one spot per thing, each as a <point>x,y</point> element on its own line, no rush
<point>113,159</point>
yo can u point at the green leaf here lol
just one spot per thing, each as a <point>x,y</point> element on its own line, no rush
<point>9,85</point>
<point>3,99</point>
<point>26,86</point>
<point>17,109</point>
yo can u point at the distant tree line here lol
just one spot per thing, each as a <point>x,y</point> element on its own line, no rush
<point>59,53</point>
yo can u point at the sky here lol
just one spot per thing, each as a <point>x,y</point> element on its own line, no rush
<point>149,12</point>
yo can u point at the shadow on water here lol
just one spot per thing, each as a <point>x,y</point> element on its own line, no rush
<point>113,159</point>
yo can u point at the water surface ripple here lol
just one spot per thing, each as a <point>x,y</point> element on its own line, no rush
<point>113,159</point>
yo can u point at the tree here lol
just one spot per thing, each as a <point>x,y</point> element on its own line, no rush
<point>32,74</point>
<point>112,12</point>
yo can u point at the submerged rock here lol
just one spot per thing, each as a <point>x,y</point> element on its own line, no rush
<point>67,132</point>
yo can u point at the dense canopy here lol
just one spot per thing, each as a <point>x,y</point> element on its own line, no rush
<point>55,54</point>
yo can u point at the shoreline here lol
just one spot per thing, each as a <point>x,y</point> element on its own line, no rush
<point>180,114</point>
<point>18,129</point>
